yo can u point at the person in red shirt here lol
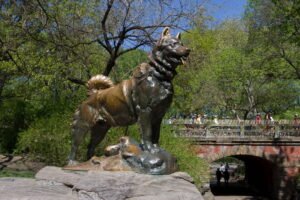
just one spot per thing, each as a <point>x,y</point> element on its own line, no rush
<point>268,120</point>
<point>258,119</point>
<point>296,122</point>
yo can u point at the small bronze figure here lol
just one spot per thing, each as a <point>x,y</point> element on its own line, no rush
<point>127,155</point>
<point>144,98</point>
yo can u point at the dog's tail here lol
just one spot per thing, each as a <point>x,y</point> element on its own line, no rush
<point>99,82</point>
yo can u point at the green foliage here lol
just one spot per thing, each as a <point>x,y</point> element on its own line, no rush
<point>228,75</point>
<point>182,149</point>
<point>273,26</point>
<point>289,114</point>
<point>12,121</point>
<point>228,160</point>
<point>25,106</point>
<point>193,78</point>
<point>14,173</point>
<point>47,139</point>
<point>127,63</point>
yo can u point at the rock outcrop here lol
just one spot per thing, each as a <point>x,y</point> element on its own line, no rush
<point>53,183</point>
<point>20,163</point>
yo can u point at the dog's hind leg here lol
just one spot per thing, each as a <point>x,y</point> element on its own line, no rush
<point>78,131</point>
<point>98,132</point>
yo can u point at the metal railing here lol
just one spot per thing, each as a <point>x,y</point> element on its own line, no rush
<point>235,128</point>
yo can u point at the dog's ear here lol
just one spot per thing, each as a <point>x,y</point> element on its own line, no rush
<point>166,32</point>
<point>178,36</point>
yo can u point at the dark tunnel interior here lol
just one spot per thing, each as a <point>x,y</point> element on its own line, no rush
<point>260,179</point>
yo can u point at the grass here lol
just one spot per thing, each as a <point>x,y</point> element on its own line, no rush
<point>15,173</point>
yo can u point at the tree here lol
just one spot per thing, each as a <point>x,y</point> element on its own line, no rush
<point>69,28</point>
<point>132,24</point>
<point>225,77</point>
<point>274,25</point>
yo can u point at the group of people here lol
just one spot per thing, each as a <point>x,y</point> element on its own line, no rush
<point>223,171</point>
<point>268,119</point>
<point>198,118</point>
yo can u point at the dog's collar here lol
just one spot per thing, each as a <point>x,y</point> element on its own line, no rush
<point>162,71</point>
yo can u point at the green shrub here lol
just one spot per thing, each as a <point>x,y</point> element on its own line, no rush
<point>47,139</point>
<point>289,114</point>
<point>187,160</point>
<point>13,119</point>
<point>15,173</point>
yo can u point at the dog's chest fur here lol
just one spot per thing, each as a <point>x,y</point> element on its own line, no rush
<point>151,91</point>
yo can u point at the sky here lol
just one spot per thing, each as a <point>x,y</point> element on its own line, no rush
<point>225,9</point>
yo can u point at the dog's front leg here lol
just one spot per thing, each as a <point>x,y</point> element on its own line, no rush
<point>144,120</point>
<point>156,131</point>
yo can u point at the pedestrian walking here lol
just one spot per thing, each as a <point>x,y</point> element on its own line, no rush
<point>268,120</point>
<point>226,176</point>
<point>296,122</point>
<point>219,176</point>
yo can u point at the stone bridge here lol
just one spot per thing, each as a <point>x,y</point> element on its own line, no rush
<point>270,152</point>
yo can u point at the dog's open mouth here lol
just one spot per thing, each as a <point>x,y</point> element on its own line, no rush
<point>179,59</point>
<point>183,59</point>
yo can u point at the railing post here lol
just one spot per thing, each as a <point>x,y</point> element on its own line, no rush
<point>207,132</point>
<point>242,128</point>
<point>277,130</point>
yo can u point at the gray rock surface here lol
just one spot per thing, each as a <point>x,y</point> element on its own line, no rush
<point>55,183</point>
<point>30,189</point>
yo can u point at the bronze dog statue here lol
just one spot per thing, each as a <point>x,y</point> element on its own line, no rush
<point>144,98</point>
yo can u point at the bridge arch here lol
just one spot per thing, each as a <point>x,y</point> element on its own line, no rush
<point>260,174</point>
<point>272,168</point>
<point>278,146</point>
<point>216,152</point>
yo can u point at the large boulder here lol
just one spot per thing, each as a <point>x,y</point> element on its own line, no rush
<point>55,183</point>
<point>25,189</point>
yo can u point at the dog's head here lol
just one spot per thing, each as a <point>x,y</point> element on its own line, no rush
<point>170,50</point>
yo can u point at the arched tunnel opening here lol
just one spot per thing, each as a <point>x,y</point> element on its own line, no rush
<point>248,176</point>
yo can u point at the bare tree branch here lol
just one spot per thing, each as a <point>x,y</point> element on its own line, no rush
<point>103,25</point>
<point>290,62</point>
<point>77,81</point>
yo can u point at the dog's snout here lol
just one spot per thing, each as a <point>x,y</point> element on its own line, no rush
<point>187,51</point>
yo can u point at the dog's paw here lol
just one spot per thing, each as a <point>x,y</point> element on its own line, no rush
<point>151,148</point>
<point>155,149</point>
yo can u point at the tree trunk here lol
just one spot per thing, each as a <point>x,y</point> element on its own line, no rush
<point>109,65</point>
<point>2,83</point>
<point>246,115</point>
<point>251,99</point>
